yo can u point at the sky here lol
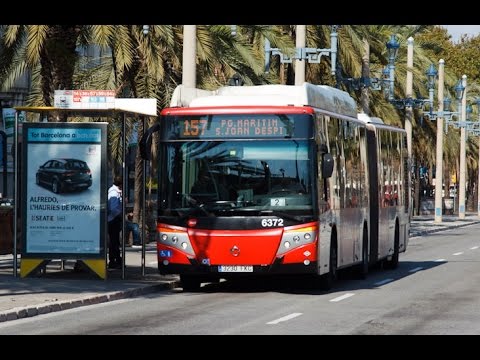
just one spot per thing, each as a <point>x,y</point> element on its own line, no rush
<point>457,30</point>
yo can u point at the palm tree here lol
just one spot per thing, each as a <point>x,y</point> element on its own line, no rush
<point>47,50</point>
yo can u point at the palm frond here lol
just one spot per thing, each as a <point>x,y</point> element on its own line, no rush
<point>37,35</point>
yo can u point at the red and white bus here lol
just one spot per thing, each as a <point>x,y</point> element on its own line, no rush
<point>276,179</point>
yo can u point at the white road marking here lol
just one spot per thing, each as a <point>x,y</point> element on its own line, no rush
<point>473,248</point>
<point>285,318</point>
<point>343,297</point>
<point>383,282</point>
<point>416,269</point>
<point>459,253</point>
<point>440,260</point>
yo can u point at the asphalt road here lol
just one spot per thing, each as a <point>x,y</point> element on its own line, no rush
<point>435,290</point>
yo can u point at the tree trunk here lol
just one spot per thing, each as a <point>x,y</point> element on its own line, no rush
<point>364,97</point>
<point>58,58</point>
<point>416,201</point>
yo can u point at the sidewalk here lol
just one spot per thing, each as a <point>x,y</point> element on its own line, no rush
<point>425,224</point>
<point>58,289</point>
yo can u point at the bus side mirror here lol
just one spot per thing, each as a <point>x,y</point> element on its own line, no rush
<point>145,145</point>
<point>327,165</point>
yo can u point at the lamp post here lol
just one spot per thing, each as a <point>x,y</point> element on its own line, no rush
<point>463,136</point>
<point>312,55</point>
<point>439,154</point>
<point>389,76</point>
<point>392,48</point>
<point>477,100</point>
<point>189,56</point>
<point>301,35</point>
<point>442,114</point>
<point>477,132</point>
<point>409,92</point>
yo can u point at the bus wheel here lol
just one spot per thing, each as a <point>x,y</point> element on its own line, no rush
<point>393,262</point>
<point>329,279</point>
<point>362,269</point>
<point>190,283</point>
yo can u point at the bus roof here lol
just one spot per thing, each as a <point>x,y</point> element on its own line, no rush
<point>369,119</point>
<point>317,96</point>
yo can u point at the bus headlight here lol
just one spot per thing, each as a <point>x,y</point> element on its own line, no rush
<point>297,236</point>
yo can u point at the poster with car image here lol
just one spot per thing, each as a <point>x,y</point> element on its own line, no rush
<point>64,189</point>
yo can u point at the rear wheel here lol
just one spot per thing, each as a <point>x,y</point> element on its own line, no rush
<point>190,283</point>
<point>393,262</point>
<point>362,269</point>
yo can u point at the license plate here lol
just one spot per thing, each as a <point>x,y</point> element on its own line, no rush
<point>235,268</point>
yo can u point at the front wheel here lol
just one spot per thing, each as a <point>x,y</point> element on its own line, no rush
<point>190,283</point>
<point>329,279</point>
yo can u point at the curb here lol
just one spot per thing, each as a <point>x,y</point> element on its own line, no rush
<point>34,310</point>
<point>448,227</point>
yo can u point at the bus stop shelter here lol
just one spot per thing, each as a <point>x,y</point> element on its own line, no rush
<point>117,109</point>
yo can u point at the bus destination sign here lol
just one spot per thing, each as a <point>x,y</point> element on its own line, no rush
<point>235,127</point>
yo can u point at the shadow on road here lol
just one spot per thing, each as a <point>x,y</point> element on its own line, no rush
<point>347,281</point>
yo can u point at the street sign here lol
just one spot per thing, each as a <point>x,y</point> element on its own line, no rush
<point>84,99</point>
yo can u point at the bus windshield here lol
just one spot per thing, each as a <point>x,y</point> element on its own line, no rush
<point>233,178</point>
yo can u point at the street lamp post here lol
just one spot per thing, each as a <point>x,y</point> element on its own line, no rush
<point>463,136</point>
<point>189,56</point>
<point>301,35</point>
<point>312,55</point>
<point>439,154</point>
<point>409,93</point>
<point>443,114</point>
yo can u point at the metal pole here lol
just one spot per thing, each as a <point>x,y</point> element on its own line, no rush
<point>144,201</point>
<point>408,113</point>
<point>15,201</point>
<point>4,163</point>
<point>463,137</point>
<point>409,91</point>
<point>478,183</point>
<point>300,63</point>
<point>391,68</point>
<point>189,71</point>
<point>333,49</point>
<point>124,187</point>
<point>439,159</point>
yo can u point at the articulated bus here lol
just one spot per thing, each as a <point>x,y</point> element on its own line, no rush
<point>276,179</point>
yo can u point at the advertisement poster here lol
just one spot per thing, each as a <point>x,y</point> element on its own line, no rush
<point>64,188</point>
<point>8,115</point>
